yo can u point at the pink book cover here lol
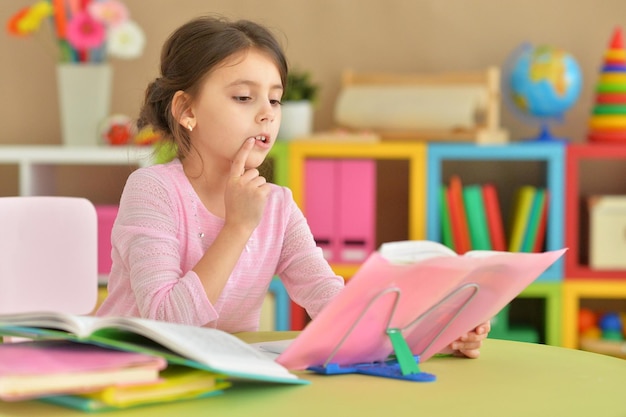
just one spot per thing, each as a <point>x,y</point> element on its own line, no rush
<point>106,218</point>
<point>420,293</point>
<point>320,205</point>
<point>357,210</point>
<point>54,359</point>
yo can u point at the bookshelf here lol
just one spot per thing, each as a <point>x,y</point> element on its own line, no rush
<point>400,175</point>
<point>509,167</point>
<point>591,169</point>
<point>414,154</point>
<point>580,293</point>
<point>409,175</point>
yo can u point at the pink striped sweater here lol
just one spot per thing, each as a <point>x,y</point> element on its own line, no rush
<point>161,232</point>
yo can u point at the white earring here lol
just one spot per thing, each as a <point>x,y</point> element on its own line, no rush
<point>189,126</point>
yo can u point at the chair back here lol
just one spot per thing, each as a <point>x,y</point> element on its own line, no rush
<point>48,255</point>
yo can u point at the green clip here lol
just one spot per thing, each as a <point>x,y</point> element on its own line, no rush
<point>408,364</point>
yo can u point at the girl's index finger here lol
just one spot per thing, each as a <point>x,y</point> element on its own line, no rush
<point>238,166</point>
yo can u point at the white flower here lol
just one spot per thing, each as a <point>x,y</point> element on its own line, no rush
<point>125,40</point>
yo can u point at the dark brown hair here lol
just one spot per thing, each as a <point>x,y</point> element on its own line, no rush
<point>188,55</point>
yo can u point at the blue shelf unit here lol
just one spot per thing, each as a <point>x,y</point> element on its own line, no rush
<point>507,166</point>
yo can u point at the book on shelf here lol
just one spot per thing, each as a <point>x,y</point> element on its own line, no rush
<point>476,217</point>
<point>493,213</point>
<point>423,289</point>
<point>176,383</point>
<point>197,347</point>
<point>542,226</point>
<point>444,209</point>
<point>533,232</point>
<point>458,216</point>
<point>471,214</point>
<point>522,207</point>
<point>31,369</point>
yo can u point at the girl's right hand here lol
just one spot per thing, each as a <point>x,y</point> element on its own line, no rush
<point>246,191</point>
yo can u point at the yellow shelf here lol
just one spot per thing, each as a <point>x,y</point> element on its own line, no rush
<point>415,153</point>
<point>573,292</point>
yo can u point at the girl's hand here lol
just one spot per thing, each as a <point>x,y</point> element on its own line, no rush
<point>246,191</point>
<point>469,344</point>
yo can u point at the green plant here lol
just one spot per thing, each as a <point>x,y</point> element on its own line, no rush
<point>300,87</point>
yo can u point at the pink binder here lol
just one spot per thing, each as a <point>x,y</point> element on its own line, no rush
<point>356,210</point>
<point>320,190</point>
<point>106,218</point>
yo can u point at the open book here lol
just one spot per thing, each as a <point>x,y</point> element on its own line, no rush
<point>422,288</point>
<point>197,347</point>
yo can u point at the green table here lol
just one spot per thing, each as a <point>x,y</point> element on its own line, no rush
<point>509,379</point>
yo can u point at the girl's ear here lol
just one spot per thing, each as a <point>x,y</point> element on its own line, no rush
<point>182,111</point>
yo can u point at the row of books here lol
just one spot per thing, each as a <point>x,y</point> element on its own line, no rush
<point>472,219</point>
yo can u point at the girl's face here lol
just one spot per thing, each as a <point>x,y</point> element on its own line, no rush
<point>239,99</point>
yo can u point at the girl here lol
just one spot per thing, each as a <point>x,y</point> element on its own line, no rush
<point>199,239</point>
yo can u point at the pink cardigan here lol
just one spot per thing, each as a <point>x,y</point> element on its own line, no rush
<point>162,230</point>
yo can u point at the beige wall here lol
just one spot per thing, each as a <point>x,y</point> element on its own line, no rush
<point>326,36</point>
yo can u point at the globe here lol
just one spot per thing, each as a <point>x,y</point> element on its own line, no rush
<point>540,84</point>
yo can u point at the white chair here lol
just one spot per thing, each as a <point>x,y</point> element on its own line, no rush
<point>48,255</point>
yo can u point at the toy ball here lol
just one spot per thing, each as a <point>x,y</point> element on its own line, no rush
<point>592,333</point>
<point>587,319</point>
<point>614,335</point>
<point>610,322</point>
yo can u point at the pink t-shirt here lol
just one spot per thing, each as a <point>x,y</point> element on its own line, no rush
<point>161,232</point>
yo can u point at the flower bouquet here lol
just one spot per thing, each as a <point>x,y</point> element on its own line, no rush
<point>84,31</point>
<point>83,35</point>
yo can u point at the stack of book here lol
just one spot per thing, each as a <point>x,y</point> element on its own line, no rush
<point>472,218</point>
<point>94,377</point>
<point>96,364</point>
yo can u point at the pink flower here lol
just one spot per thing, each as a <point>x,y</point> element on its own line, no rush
<point>84,32</point>
<point>109,12</point>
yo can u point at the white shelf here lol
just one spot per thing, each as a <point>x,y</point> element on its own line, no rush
<point>36,162</point>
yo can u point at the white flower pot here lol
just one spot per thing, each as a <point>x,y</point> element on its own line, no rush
<point>84,101</point>
<point>297,120</point>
